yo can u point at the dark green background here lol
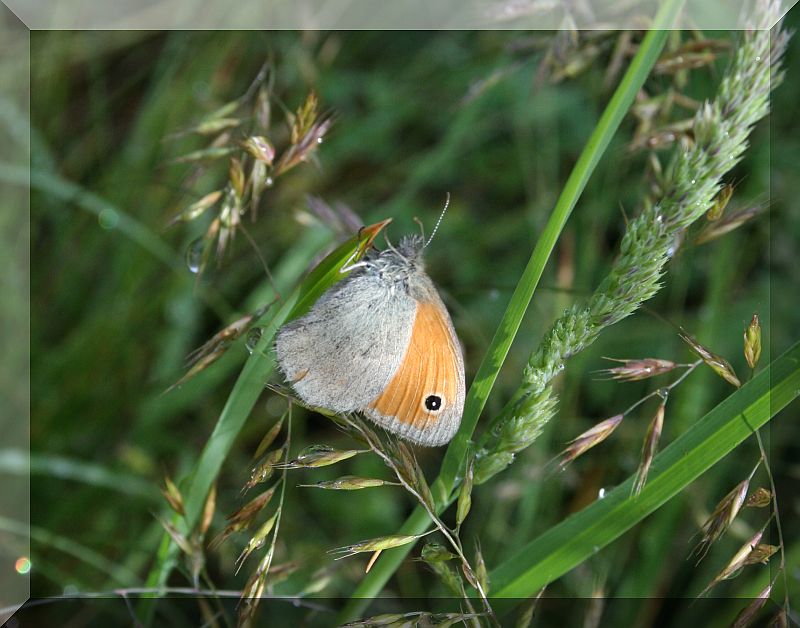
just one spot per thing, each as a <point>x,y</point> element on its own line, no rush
<point>112,323</point>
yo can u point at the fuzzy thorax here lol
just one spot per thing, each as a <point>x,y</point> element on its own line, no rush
<point>401,266</point>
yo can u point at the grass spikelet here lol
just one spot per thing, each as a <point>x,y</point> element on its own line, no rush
<point>481,572</point>
<point>241,519</point>
<point>209,508</point>
<point>173,495</point>
<point>635,370</point>
<point>257,540</point>
<point>717,363</point>
<point>260,148</point>
<point>748,613</point>
<point>373,545</point>
<point>436,553</point>
<point>760,498</point>
<point>264,470</point>
<point>216,346</point>
<point>465,493</point>
<point>728,223</point>
<point>721,201</point>
<point>779,620</point>
<point>449,577</point>
<point>748,554</point>
<point>412,473</point>
<point>649,449</point>
<point>349,483</point>
<point>588,439</point>
<point>752,342</point>
<point>269,438</point>
<point>722,516</point>
<point>197,209</point>
<point>320,456</point>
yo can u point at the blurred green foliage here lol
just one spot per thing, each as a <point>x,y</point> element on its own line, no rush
<point>418,114</point>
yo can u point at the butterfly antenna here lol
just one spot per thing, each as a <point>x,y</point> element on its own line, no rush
<point>421,227</point>
<point>438,222</point>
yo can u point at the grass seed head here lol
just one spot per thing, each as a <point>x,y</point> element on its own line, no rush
<point>465,493</point>
<point>588,439</point>
<point>720,203</point>
<point>739,560</point>
<point>747,614</point>
<point>436,553</point>
<point>379,543</point>
<point>635,370</point>
<point>173,496</point>
<point>649,449</point>
<point>726,224</point>
<point>260,148</point>
<point>320,456</point>
<point>722,516</point>
<point>348,483</point>
<point>752,342</point>
<point>269,438</point>
<point>717,363</point>
<point>760,498</point>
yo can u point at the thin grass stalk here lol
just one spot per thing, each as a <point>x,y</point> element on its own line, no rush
<point>478,394</point>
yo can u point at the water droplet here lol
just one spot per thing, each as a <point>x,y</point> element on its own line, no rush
<point>601,493</point>
<point>758,58</point>
<point>108,218</point>
<point>319,140</point>
<point>70,589</point>
<point>253,338</point>
<point>694,181</point>
<point>194,256</point>
<point>269,182</point>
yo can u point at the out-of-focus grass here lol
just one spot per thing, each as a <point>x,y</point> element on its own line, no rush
<point>112,323</point>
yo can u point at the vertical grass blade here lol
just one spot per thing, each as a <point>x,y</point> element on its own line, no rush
<point>478,394</point>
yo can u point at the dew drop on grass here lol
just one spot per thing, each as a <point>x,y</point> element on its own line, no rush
<point>194,256</point>
<point>253,338</point>
<point>269,182</point>
<point>108,218</point>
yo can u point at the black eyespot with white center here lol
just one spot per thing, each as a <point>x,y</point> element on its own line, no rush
<point>433,403</point>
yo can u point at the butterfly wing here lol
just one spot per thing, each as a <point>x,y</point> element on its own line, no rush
<point>424,400</point>
<point>347,348</point>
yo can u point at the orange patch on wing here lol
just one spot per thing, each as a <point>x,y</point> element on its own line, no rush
<point>430,367</point>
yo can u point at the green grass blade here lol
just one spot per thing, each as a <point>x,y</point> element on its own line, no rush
<point>484,380</point>
<point>572,541</point>
<point>69,192</point>
<point>244,395</point>
<point>20,462</point>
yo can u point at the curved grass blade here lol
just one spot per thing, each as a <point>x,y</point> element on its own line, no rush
<point>249,387</point>
<point>478,394</point>
<point>572,541</point>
